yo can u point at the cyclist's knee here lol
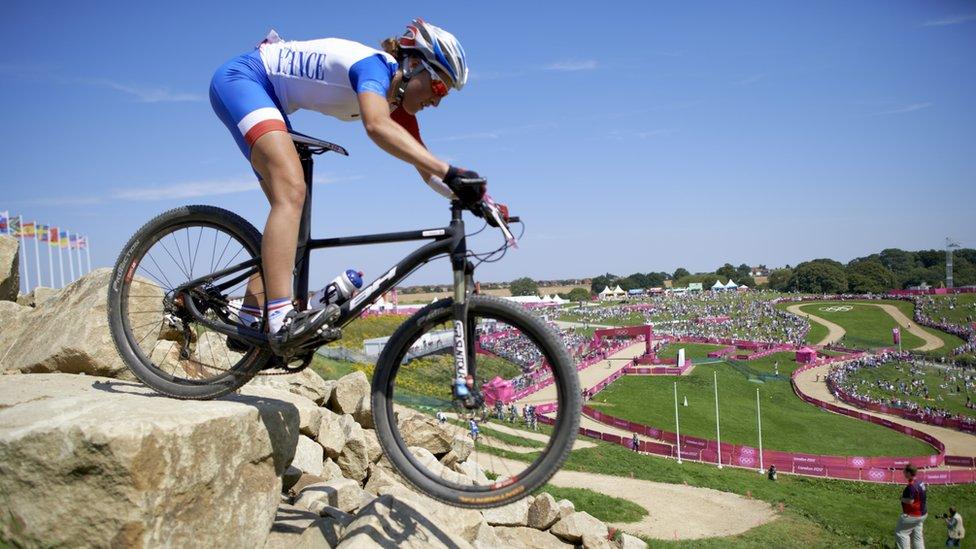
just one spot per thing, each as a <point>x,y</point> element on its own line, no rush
<point>287,192</point>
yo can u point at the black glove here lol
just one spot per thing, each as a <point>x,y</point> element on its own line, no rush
<point>460,181</point>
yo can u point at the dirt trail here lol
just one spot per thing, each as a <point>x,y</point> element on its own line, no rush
<point>813,382</point>
<point>931,342</point>
<point>834,331</point>
<point>674,511</point>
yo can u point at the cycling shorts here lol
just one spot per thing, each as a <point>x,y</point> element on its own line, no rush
<point>245,101</point>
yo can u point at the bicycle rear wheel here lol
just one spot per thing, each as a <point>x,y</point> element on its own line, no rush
<point>158,339</point>
<point>471,457</point>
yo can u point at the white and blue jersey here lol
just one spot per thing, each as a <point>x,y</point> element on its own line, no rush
<point>255,92</point>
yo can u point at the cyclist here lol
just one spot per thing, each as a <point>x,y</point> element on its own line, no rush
<point>253,94</point>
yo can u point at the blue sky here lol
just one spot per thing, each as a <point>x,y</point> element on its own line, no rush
<point>641,136</point>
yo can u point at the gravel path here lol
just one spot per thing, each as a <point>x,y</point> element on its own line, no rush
<point>834,331</point>
<point>931,342</point>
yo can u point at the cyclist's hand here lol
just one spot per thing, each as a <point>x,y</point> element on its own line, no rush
<point>467,193</point>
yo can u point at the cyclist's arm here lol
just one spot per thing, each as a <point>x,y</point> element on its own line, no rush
<point>393,138</point>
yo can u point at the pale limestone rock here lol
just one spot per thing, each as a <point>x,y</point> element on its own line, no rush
<point>342,493</point>
<point>352,396</point>
<point>391,522</point>
<point>353,460</point>
<point>628,541</point>
<point>9,268</point>
<point>331,434</point>
<point>543,512</point>
<point>308,456</point>
<point>575,526</point>
<point>522,537</point>
<point>512,514</point>
<point>297,528</point>
<point>305,383</point>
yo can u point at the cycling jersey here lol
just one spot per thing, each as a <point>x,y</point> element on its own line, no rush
<point>255,92</point>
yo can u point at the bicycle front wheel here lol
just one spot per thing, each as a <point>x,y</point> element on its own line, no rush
<point>494,453</point>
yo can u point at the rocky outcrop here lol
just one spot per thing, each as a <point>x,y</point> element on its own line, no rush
<point>37,296</point>
<point>72,328</point>
<point>121,465</point>
<point>9,268</point>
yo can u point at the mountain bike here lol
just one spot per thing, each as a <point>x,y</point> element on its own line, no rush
<point>174,308</point>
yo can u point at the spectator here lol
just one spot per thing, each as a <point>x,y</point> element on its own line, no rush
<point>635,443</point>
<point>771,473</point>
<point>908,532</point>
<point>473,426</point>
<point>956,530</point>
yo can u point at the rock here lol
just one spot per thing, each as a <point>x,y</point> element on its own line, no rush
<point>380,478</point>
<point>352,396</point>
<point>297,528</point>
<point>473,471</point>
<point>528,538</point>
<point>485,537</point>
<point>36,297</point>
<point>305,383</point>
<point>342,493</point>
<point>460,523</point>
<point>13,318</point>
<point>628,541</point>
<point>353,460</point>
<point>330,470</point>
<point>575,526</point>
<point>304,480</point>
<point>211,350</point>
<point>331,434</point>
<point>544,512</point>
<point>308,456</point>
<point>512,514</point>
<point>597,542</point>
<point>462,446</point>
<point>309,414</point>
<point>9,268</point>
<point>566,508</point>
<point>74,328</point>
<point>124,466</point>
<point>391,522</point>
<point>290,478</point>
<point>373,447</point>
<point>424,432</point>
<point>435,468</point>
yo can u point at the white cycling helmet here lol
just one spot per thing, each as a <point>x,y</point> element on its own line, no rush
<point>438,48</point>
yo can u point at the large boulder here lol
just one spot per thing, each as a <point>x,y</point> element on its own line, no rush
<point>331,434</point>
<point>308,456</point>
<point>342,493</point>
<point>391,522</point>
<point>461,524</point>
<point>577,525</point>
<point>12,320</point>
<point>9,268</point>
<point>543,512</point>
<point>352,396</point>
<point>528,538</point>
<point>124,466</point>
<point>305,383</point>
<point>423,431</point>
<point>353,460</point>
<point>296,528</point>
<point>309,415</point>
<point>72,328</point>
<point>512,514</point>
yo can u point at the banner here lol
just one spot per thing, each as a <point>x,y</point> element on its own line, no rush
<point>64,239</point>
<point>27,229</point>
<point>82,242</point>
<point>73,241</point>
<point>4,216</point>
<point>53,237</point>
<point>14,226</point>
<point>43,233</point>
<point>896,335</point>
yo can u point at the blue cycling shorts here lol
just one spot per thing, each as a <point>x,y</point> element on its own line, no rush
<point>245,101</point>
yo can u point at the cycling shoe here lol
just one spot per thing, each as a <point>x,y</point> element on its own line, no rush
<point>300,327</point>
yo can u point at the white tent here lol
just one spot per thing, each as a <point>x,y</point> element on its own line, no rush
<point>559,300</point>
<point>606,293</point>
<point>718,286</point>
<point>731,285</point>
<point>618,291</point>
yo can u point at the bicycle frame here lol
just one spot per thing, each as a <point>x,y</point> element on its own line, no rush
<point>448,240</point>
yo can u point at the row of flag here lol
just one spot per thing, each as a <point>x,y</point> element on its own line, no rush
<point>44,233</point>
<point>55,237</point>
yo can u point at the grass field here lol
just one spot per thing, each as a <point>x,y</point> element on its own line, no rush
<point>962,313</point>
<point>817,333</point>
<point>867,326</point>
<point>693,351</point>
<point>605,508</point>
<point>951,400</point>
<point>789,424</point>
<point>949,341</point>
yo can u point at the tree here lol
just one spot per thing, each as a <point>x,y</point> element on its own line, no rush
<point>819,277</point>
<point>578,294</point>
<point>870,277</point>
<point>779,279</point>
<point>524,286</point>
<point>726,272</point>
<point>743,270</point>
<point>680,272</point>
<point>600,282</point>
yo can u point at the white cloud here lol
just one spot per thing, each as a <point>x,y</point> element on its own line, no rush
<point>196,189</point>
<point>570,66</point>
<point>905,109</point>
<point>146,94</point>
<point>749,80</point>
<point>953,20</point>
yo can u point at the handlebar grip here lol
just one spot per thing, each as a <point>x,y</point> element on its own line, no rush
<point>514,219</point>
<point>471,181</point>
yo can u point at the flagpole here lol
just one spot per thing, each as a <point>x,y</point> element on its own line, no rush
<point>759,420</point>
<point>78,256</point>
<point>718,431</point>
<point>60,260</point>
<point>87,254</point>
<point>23,253</point>
<point>677,426</point>
<point>37,256</point>
<point>50,258</point>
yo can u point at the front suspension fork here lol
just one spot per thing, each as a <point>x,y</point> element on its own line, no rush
<point>465,341</point>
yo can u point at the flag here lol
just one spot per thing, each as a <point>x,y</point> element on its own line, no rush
<point>73,241</point>
<point>3,222</point>
<point>64,239</point>
<point>82,242</point>
<point>43,233</point>
<point>896,335</point>
<point>14,225</point>
<point>27,229</point>
<point>53,238</point>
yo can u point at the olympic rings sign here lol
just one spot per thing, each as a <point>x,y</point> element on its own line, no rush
<point>836,309</point>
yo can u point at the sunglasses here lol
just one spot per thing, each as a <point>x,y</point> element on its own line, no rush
<point>437,85</point>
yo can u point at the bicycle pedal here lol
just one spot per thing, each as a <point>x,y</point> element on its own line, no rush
<point>328,334</point>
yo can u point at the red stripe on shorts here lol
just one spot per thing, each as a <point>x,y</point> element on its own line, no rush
<point>262,128</point>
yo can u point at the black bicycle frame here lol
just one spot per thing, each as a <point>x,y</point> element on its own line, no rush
<point>448,240</point>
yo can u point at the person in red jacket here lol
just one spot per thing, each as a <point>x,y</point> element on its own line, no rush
<point>908,532</point>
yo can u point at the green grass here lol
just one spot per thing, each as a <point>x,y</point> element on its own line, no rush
<point>867,326</point>
<point>817,333</point>
<point>365,328</point>
<point>693,351</point>
<point>962,314</point>
<point>952,401</point>
<point>949,341</point>
<point>605,508</point>
<point>789,424</point>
